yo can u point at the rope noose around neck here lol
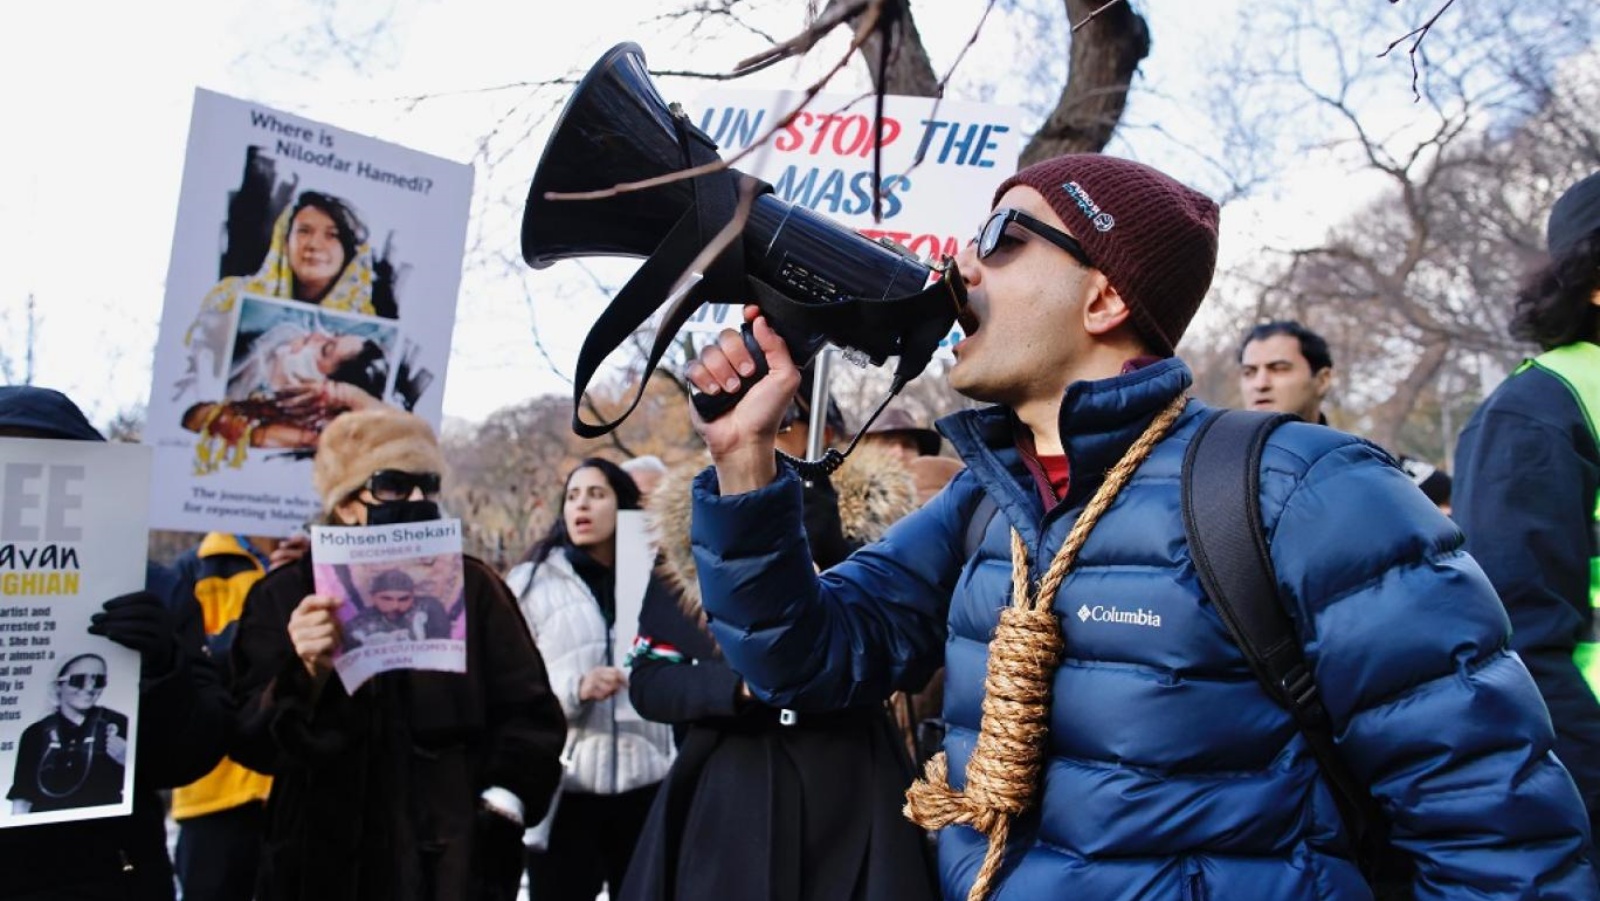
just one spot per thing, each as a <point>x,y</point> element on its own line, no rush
<point>1003,771</point>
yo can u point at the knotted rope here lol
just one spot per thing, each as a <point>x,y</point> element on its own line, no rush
<point>1023,655</point>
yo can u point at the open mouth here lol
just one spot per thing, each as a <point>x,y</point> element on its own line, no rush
<point>582,522</point>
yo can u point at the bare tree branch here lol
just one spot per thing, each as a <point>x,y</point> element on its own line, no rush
<point>1420,32</point>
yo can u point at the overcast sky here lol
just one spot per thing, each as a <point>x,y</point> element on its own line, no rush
<point>95,115</point>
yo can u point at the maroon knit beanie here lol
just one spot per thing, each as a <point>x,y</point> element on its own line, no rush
<point>1154,238</point>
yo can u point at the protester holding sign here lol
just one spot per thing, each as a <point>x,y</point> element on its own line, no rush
<point>73,762</point>
<point>566,587</point>
<point>416,785</point>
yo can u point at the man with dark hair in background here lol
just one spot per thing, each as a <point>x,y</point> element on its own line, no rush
<point>1106,738</point>
<point>1528,476</point>
<point>1285,367</point>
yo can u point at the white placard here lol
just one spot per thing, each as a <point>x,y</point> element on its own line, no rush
<point>73,534</point>
<point>313,271</point>
<point>636,557</point>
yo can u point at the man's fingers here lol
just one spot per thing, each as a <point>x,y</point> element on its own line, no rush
<point>771,344</point>
<point>737,352</point>
<point>315,634</point>
<point>698,376</point>
<point>315,604</point>
<point>721,360</point>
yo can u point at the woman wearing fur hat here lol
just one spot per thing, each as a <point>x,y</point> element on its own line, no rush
<point>566,589</point>
<point>761,802</point>
<point>418,784</point>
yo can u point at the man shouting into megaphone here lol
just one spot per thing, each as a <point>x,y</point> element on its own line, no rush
<point>1105,733</point>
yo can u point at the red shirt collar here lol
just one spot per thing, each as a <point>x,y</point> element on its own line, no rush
<point>1052,474</point>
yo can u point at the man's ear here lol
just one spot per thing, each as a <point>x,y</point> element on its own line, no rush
<point>1105,311</point>
<point>1323,380</point>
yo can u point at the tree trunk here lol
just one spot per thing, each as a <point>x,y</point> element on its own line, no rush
<point>1390,416</point>
<point>910,71</point>
<point>1105,54</point>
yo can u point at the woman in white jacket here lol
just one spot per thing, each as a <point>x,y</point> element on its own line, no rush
<point>565,587</point>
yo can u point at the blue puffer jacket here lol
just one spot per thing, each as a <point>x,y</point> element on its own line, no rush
<point>1171,774</point>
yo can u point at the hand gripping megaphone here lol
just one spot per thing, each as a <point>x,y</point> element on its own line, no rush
<point>815,280</point>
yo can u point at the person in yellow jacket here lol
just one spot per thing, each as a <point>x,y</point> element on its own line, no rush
<point>220,815</point>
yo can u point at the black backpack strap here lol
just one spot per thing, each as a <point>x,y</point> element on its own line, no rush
<point>1222,520</point>
<point>978,524</point>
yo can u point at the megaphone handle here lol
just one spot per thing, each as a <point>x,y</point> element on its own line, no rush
<point>711,406</point>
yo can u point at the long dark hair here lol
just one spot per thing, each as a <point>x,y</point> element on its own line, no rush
<point>556,536</point>
<point>1555,306</point>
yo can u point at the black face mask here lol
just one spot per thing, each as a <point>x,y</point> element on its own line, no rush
<point>397,512</point>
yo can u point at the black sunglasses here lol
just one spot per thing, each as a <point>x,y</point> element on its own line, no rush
<point>396,484</point>
<point>994,229</point>
<point>81,681</point>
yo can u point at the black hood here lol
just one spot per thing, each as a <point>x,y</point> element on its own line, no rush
<point>45,411</point>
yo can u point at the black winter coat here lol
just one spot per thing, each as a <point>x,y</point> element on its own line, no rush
<point>375,795</point>
<point>1527,472</point>
<point>754,808</point>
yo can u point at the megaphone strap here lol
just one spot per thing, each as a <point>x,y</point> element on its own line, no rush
<point>628,311</point>
<point>715,203</point>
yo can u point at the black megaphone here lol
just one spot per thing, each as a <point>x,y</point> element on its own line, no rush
<point>815,280</point>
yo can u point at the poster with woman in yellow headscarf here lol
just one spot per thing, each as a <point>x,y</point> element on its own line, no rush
<point>322,279</point>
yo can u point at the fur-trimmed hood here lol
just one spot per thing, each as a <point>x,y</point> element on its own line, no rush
<point>875,489</point>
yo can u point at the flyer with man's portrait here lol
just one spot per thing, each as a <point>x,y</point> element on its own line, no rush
<point>73,534</point>
<point>402,596</point>
<point>314,272</point>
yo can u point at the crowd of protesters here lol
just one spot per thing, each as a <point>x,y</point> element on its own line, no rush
<point>987,674</point>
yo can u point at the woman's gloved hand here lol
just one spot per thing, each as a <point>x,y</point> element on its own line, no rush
<point>140,621</point>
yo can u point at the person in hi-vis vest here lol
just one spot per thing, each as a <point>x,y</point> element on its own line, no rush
<point>1527,478</point>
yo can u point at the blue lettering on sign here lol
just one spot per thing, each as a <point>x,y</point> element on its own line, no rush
<point>736,126</point>
<point>963,145</point>
<point>825,190</point>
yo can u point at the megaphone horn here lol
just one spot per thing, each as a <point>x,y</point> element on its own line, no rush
<point>815,280</point>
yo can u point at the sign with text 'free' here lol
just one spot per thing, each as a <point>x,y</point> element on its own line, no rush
<point>73,534</point>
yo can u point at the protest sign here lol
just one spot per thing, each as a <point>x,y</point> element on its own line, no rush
<point>942,160</point>
<point>402,596</point>
<point>73,534</point>
<point>636,558</point>
<point>332,288</point>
